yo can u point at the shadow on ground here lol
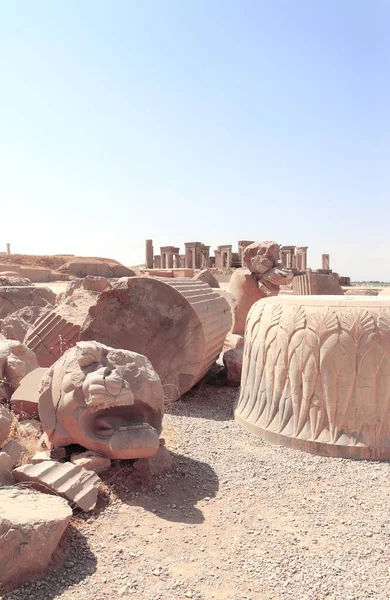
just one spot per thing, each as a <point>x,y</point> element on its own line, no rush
<point>72,562</point>
<point>173,496</point>
<point>206,402</point>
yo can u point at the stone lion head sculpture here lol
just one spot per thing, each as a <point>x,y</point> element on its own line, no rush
<point>107,400</point>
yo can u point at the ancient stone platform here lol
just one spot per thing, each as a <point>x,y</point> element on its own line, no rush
<point>316,375</point>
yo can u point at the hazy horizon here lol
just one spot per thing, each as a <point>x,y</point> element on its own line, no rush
<point>209,121</point>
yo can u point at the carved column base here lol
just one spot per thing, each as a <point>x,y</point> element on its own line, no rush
<point>316,375</point>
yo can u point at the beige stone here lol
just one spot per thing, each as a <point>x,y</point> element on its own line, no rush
<point>6,421</point>
<point>90,284</point>
<point>107,400</point>
<point>79,486</point>
<point>78,268</point>
<point>233,341</point>
<point>207,276</point>
<point>155,465</point>
<point>317,284</point>
<point>24,401</point>
<point>30,427</point>
<point>5,470</point>
<point>16,325</point>
<point>15,279</point>
<point>15,451</point>
<point>261,278</point>
<point>31,526</point>
<point>42,456</point>
<point>12,298</point>
<point>16,360</point>
<point>315,374</point>
<point>232,359</point>
<point>91,461</point>
<point>59,329</point>
<point>179,324</point>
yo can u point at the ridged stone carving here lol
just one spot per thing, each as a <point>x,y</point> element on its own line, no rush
<point>316,375</point>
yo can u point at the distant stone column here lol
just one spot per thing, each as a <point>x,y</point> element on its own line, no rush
<point>169,259</point>
<point>148,254</point>
<point>157,262</point>
<point>301,254</point>
<point>325,262</point>
<point>229,258</point>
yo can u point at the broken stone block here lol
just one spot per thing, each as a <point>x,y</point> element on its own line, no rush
<point>16,360</point>
<point>233,341</point>
<point>41,457</point>
<point>179,324</point>
<point>91,461</point>
<point>93,284</point>
<point>5,469</point>
<point>15,297</point>
<point>16,325</point>
<point>31,526</point>
<point>24,401</point>
<point>15,451</point>
<point>232,360</point>
<point>155,465</point>
<point>79,486</point>
<point>6,421</point>
<point>59,329</point>
<point>317,284</point>
<point>30,428</point>
<point>207,276</point>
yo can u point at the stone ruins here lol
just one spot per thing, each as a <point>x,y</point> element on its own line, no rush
<point>86,375</point>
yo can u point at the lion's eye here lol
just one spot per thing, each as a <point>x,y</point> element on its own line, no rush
<point>107,372</point>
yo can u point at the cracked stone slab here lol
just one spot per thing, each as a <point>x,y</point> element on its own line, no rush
<point>31,526</point>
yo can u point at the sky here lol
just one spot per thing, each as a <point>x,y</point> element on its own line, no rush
<point>197,120</point>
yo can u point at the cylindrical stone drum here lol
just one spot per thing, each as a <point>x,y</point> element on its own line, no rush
<point>316,374</point>
<point>178,324</point>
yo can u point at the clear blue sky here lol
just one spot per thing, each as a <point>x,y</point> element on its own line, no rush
<point>207,120</point>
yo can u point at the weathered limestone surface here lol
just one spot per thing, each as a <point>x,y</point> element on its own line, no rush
<point>107,400</point>
<point>232,359</point>
<point>91,461</point>
<point>16,360</point>
<point>13,298</point>
<point>316,374</point>
<point>16,325</point>
<point>207,276</point>
<point>5,423</point>
<point>317,284</point>
<point>83,269</point>
<point>60,329</point>
<point>24,400</point>
<point>5,470</point>
<point>15,451</point>
<point>261,277</point>
<point>79,486</point>
<point>179,324</point>
<point>31,526</point>
<point>13,279</point>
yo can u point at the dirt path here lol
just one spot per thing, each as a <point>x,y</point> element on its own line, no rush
<point>235,519</point>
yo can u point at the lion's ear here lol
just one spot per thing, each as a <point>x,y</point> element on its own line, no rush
<point>89,353</point>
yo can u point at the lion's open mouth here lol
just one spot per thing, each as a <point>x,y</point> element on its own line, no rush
<point>105,422</point>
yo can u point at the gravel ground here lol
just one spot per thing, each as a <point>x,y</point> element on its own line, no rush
<point>235,519</point>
